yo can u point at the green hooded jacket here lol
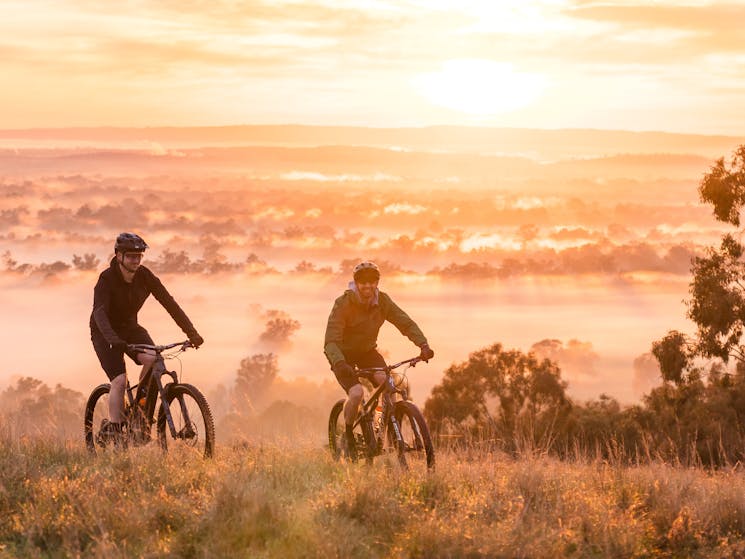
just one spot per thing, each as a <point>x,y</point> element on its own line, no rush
<point>353,326</point>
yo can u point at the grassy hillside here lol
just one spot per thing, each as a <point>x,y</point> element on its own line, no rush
<point>57,501</point>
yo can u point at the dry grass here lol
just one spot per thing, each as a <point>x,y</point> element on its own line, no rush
<point>57,501</point>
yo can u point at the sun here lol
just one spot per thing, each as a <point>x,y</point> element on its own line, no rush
<point>480,87</point>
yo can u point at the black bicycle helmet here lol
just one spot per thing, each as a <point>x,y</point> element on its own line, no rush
<point>367,270</point>
<point>129,242</point>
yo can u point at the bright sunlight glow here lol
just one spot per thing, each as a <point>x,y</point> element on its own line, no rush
<point>480,87</point>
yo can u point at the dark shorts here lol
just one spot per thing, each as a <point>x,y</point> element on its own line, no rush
<point>368,359</point>
<point>112,360</point>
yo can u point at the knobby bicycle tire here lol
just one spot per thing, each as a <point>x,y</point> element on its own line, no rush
<point>89,427</point>
<point>335,435</point>
<point>196,434</point>
<point>415,433</point>
<point>395,439</point>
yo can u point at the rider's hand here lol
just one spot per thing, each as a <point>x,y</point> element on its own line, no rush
<point>426,353</point>
<point>342,368</point>
<point>195,339</point>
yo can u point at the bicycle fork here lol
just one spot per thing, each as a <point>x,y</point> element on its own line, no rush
<point>158,371</point>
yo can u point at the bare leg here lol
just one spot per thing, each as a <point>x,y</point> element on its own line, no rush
<point>352,405</point>
<point>147,359</point>
<point>116,398</point>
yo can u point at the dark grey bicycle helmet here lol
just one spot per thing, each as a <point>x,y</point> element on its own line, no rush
<point>366,270</point>
<point>129,242</point>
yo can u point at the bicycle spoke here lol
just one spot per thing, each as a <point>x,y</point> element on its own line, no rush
<point>193,427</point>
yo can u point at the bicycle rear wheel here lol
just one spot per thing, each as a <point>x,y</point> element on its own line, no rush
<point>192,419</point>
<point>338,436</point>
<point>337,440</point>
<point>96,417</point>
<point>418,446</point>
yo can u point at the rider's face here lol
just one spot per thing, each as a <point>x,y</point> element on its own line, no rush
<point>366,287</point>
<point>130,261</point>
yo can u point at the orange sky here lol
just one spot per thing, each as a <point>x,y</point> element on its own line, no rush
<point>675,66</point>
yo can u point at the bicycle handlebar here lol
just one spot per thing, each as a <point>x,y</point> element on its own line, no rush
<point>161,348</point>
<point>412,362</point>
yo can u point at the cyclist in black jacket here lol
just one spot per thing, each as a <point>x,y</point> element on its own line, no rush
<point>119,294</point>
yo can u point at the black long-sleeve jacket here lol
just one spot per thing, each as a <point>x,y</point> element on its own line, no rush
<point>116,302</point>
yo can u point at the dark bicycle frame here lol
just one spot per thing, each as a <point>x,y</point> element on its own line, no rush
<point>153,379</point>
<point>384,391</point>
<point>157,383</point>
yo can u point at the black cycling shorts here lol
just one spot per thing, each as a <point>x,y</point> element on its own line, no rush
<point>363,360</point>
<point>112,360</point>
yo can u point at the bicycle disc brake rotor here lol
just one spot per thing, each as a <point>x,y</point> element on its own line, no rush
<point>188,433</point>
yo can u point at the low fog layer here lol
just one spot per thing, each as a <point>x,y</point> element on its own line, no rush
<point>584,260</point>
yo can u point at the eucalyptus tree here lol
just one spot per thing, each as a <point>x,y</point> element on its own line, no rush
<point>717,289</point>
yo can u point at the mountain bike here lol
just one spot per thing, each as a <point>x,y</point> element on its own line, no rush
<point>184,418</point>
<point>387,423</point>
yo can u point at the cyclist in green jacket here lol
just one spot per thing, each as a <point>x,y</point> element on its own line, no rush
<point>352,335</point>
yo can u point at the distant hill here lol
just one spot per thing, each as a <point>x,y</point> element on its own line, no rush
<point>541,145</point>
<point>340,160</point>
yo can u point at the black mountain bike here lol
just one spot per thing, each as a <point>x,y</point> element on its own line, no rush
<point>384,425</point>
<point>184,418</point>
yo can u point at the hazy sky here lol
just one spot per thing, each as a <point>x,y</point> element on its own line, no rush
<point>664,65</point>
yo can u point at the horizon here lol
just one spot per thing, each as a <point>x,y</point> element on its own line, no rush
<point>475,127</point>
<point>541,145</point>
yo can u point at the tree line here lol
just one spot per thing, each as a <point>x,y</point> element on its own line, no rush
<point>513,400</point>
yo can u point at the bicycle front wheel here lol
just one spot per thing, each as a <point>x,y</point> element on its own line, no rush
<point>193,428</point>
<point>96,417</point>
<point>417,440</point>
